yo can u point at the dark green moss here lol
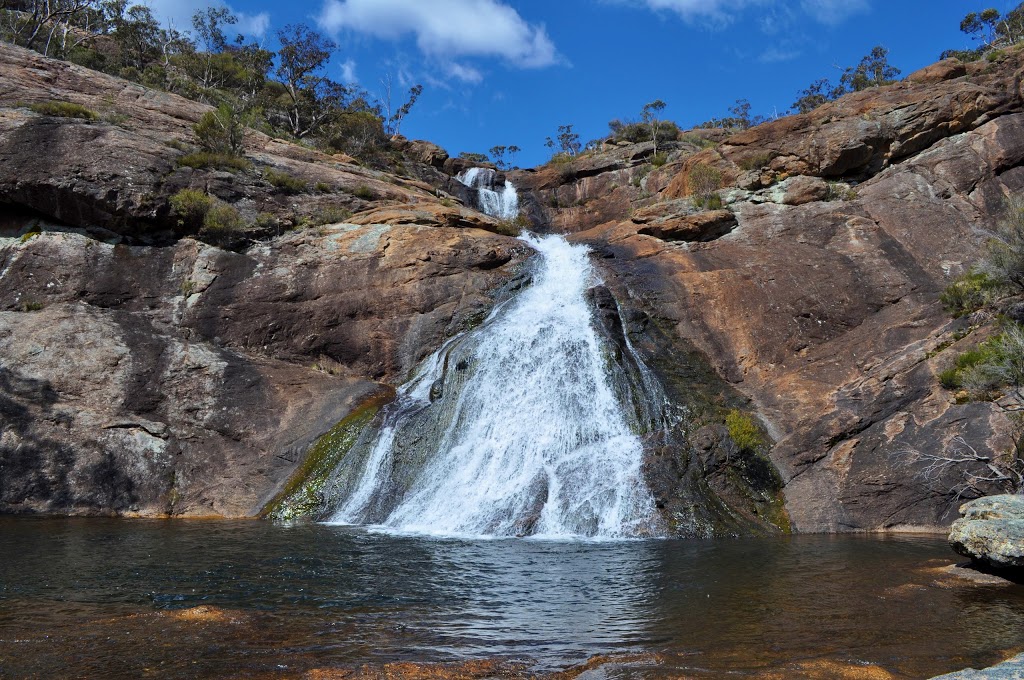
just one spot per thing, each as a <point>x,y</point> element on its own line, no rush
<point>301,495</point>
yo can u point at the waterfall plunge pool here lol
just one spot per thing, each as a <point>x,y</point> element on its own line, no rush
<point>135,598</point>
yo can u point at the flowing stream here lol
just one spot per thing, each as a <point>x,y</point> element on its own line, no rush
<point>515,428</point>
<point>494,199</point>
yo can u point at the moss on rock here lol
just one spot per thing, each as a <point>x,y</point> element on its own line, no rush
<point>302,495</point>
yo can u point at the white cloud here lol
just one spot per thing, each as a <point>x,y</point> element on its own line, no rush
<point>775,55</point>
<point>254,25</point>
<point>834,11</point>
<point>722,12</point>
<point>179,12</point>
<point>466,74</point>
<point>348,72</point>
<point>446,29</point>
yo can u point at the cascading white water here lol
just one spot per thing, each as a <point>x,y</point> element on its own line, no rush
<point>536,442</point>
<point>503,203</point>
<point>514,428</point>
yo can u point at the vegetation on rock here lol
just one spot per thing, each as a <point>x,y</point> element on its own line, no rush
<point>63,110</point>
<point>286,94</point>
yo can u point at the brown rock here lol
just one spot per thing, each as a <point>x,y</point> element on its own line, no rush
<point>428,215</point>
<point>704,226</point>
<point>194,390</point>
<point>826,316</point>
<point>941,71</point>
<point>801,190</point>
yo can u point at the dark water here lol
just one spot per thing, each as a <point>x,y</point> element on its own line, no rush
<point>116,598</point>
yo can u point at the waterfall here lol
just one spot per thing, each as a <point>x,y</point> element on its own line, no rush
<point>503,203</point>
<point>515,428</point>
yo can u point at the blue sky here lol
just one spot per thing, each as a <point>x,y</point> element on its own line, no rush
<point>511,71</point>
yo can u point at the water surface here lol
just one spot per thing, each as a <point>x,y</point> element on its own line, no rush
<point>117,598</point>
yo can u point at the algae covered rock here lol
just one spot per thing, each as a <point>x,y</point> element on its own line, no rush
<point>991,531</point>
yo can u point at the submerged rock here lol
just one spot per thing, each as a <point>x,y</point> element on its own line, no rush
<point>991,531</point>
<point>1012,669</point>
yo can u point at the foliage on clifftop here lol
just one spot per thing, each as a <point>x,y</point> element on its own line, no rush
<point>286,94</point>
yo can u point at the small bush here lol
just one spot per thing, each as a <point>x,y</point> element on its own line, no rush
<point>704,181</point>
<point>744,431</point>
<point>220,131</point>
<point>364,192</point>
<point>712,202</point>
<point>287,183</point>
<point>659,159</point>
<point>1004,256</point>
<point>968,293</point>
<point>329,215</point>
<point>28,236</point>
<point>31,306</point>
<point>209,159</point>
<point>699,141</point>
<point>837,191</point>
<point>514,226</point>
<point>995,363</point>
<point>191,206</point>
<point>222,217</point>
<point>266,221</point>
<point>322,188</point>
<point>64,110</point>
<point>756,162</point>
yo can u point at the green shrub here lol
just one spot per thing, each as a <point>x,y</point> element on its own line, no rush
<point>220,131</point>
<point>744,431</point>
<point>659,159</point>
<point>699,141</point>
<point>514,226</point>
<point>322,188</point>
<point>31,306</point>
<point>756,162</point>
<point>191,206</point>
<point>329,215</point>
<point>222,217</point>
<point>63,110</point>
<point>704,181</point>
<point>983,370</point>
<point>209,159</point>
<point>28,236</point>
<point>968,293</point>
<point>1004,253</point>
<point>838,191</point>
<point>287,183</point>
<point>637,132</point>
<point>364,192</point>
<point>266,221</point>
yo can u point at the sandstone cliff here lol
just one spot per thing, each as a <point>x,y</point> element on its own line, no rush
<point>143,371</point>
<point>150,366</point>
<point>815,292</point>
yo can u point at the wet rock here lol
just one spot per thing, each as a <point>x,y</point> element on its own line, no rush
<point>1012,669</point>
<point>991,532</point>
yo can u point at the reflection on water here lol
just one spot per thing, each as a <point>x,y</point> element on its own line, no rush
<point>116,598</point>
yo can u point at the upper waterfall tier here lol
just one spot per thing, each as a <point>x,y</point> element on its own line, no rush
<point>498,201</point>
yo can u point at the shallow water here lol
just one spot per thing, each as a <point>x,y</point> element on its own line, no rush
<point>117,598</point>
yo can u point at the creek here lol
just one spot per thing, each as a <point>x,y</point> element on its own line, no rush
<point>113,598</point>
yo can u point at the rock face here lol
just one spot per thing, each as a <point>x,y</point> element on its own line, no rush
<point>145,372</point>
<point>821,304</point>
<point>991,532</point>
<point>1011,669</point>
